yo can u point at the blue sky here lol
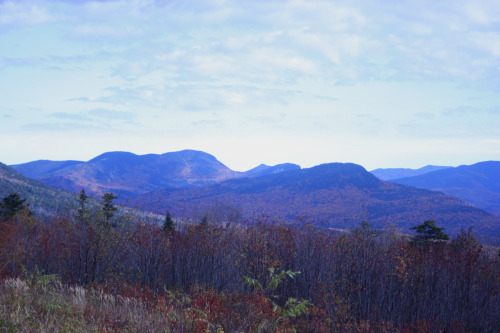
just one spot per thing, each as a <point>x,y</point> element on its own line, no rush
<point>378,83</point>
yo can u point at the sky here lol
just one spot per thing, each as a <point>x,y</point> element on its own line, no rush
<point>379,83</point>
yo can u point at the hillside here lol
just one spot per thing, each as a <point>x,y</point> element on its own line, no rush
<point>395,173</point>
<point>41,198</point>
<point>333,195</point>
<point>38,169</point>
<point>478,184</point>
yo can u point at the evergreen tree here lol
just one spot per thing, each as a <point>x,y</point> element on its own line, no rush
<point>168,224</point>
<point>82,199</point>
<point>365,230</point>
<point>428,231</point>
<point>108,207</point>
<point>10,205</point>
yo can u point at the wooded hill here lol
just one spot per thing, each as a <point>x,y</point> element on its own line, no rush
<point>478,184</point>
<point>331,195</point>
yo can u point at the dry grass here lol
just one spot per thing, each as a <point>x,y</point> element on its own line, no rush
<point>43,304</point>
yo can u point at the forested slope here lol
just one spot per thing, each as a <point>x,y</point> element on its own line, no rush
<point>332,195</point>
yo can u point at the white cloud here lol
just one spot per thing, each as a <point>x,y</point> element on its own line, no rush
<point>104,10</point>
<point>482,12</point>
<point>197,97</point>
<point>112,114</point>
<point>488,42</point>
<point>21,13</point>
<point>287,67</point>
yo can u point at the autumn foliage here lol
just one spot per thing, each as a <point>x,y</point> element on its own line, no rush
<point>131,275</point>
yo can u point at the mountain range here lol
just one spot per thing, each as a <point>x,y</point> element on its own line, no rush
<point>335,195</point>
<point>130,174</point>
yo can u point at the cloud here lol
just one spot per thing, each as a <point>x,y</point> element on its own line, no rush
<point>274,120</point>
<point>96,114</point>
<point>368,117</point>
<point>112,115</point>
<point>15,14</point>
<point>282,42</point>
<point>203,124</point>
<point>131,70</point>
<point>80,99</point>
<point>106,31</point>
<point>424,115</point>
<point>106,10</point>
<point>70,116</point>
<point>488,42</point>
<point>77,62</point>
<point>197,97</point>
<point>295,65</point>
<point>494,110</point>
<point>460,111</point>
<point>149,96</point>
<point>9,62</point>
<point>69,127</point>
<point>483,13</point>
<point>97,120</point>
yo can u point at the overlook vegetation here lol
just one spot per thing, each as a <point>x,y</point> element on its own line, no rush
<point>100,270</point>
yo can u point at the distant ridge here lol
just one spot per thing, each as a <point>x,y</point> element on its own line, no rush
<point>40,168</point>
<point>263,169</point>
<point>131,174</point>
<point>395,173</point>
<point>478,184</point>
<point>334,195</point>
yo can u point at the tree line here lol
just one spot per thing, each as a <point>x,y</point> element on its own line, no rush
<point>361,279</point>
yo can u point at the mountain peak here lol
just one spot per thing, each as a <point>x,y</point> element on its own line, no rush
<point>190,153</point>
<point>258,168</point>
<point>131,174</point>
<point>113,155</point>
<point>264,169</point>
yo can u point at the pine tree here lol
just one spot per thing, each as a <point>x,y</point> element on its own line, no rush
<point>428,231</point>
<point>168,224</point>
<point>10,205</point>
<point>82,199</point>
<point>108,207</point>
